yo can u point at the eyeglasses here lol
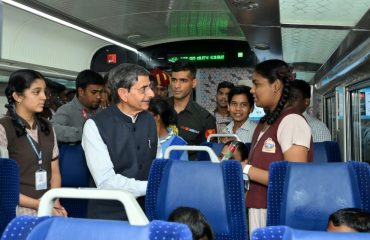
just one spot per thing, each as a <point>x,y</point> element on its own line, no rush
<point>143,89</point>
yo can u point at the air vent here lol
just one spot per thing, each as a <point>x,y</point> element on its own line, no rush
<point>245,4</point>
<point>261,46</point>
<point>134,36</point>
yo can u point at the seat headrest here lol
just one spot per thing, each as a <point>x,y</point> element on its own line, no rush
<point>73,166</point>
<point>320,153</point>
<point>58,228</point>
<point>9,191</point>
<point>216,189</point>
<point>313,191</point>
<point>327,151</point>
<point>295,234</point>
<point>287,233</point>
<point>216,147</point>
<point>180,179</point>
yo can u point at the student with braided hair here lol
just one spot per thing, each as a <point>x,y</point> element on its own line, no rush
<point>30,140</point>
<point>282,134</point>
<point>166,119</point>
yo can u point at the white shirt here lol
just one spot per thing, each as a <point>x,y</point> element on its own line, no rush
<point>101,166</point>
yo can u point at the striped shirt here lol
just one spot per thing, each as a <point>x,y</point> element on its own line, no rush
<point>221,121</point>
<point>320,132</point>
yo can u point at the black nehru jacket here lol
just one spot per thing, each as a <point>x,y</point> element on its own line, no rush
<point>132,147</point>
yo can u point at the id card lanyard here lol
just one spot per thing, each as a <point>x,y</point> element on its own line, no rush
<point>84,114</point>
<point>40,174</point>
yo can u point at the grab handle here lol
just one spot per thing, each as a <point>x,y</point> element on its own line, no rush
<point>222,135</point>
<point>135,214</point>
<point>211,153</point>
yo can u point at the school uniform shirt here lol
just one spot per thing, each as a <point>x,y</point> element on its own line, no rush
<point>172,139</point>
<point>245,132</point>
<point>21,151</point>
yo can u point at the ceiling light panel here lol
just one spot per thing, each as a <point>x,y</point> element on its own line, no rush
<point>93,10</point>
<point>310,45</point>
<point>323,12</point>
<point>154,21</point>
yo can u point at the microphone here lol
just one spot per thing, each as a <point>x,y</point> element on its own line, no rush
<point>230,151</point>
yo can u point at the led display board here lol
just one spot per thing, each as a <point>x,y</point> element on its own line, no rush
<point>197,57</point>
<point>204,53</point>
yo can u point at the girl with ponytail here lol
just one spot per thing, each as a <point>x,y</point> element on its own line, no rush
<point>30,140</point>
<point>282,134</point>
<point>166,119</point>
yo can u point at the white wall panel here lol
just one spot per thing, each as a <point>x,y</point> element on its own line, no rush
<point>32,39</point>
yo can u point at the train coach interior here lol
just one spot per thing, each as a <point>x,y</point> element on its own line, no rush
<point>326,41</point>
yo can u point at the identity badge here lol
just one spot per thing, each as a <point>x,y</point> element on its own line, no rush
<point>41,179</point>
<point>269,146</point>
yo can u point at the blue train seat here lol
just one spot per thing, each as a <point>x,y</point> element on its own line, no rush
<point>209,153</point>
<point>216,189</point>
<point>216,147</point>
<point>248,146</point>
<point>303,195</point>
<point>20,227</point>
<point>9,191</point>
<point>287,233</point>
<point>58,228</point>
<point>328,151</point>
<point>74,173</point>
<point>73,167</point>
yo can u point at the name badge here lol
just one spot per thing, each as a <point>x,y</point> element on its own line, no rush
<point>269,146</point>
<point>41,179</point>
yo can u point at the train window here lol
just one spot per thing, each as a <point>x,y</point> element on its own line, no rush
<point>257,113</point>
<point>330,116</point>
<point>360,124</point>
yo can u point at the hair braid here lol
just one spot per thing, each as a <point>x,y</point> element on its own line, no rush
<point>20,130</point>
<point>285,74</point>
<point>43,124</point>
